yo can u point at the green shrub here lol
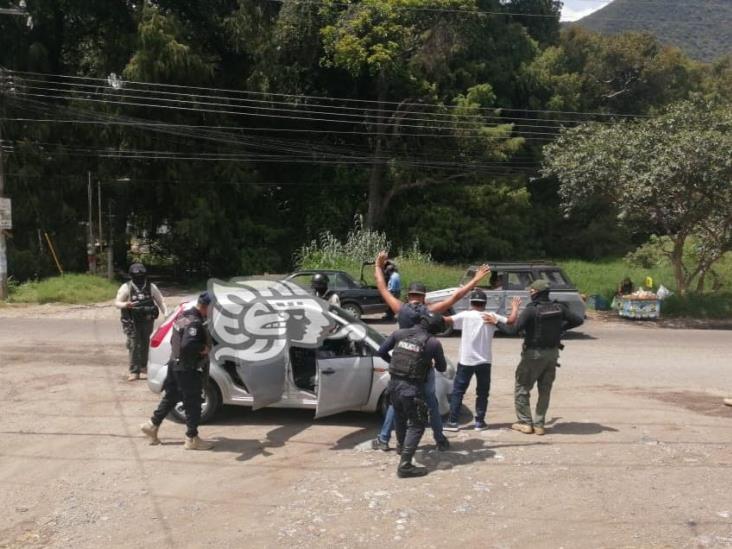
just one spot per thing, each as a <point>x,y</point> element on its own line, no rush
<point>70,288</point>
<point>712,306</point>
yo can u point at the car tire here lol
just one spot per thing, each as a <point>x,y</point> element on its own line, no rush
<point>209,408</point>
<point>353,309</point>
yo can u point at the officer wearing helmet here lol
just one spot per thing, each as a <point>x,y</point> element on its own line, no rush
<point>140,303</point>
<point>414,352</point>
<point>319,284</point>
<point>542,323</point>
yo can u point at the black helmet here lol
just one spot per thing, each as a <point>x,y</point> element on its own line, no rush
<point>478,296</point>
<point>434,323</point>
<point>137,269</point>
<point>320,281</point>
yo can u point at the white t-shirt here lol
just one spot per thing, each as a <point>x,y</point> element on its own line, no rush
<point>477,336</point>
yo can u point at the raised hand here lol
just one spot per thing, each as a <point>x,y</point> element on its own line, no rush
<point>481,273</point>
<point>381,259</point>
<point>516,302</point>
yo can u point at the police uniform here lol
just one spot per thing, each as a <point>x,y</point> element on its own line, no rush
<point>186,368</point>
<point>415,350</point>
<point>542,322</point>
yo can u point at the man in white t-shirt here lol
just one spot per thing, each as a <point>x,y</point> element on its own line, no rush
<point>475,356</point>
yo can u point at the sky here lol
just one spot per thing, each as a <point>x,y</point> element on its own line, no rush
<point>576,9</point>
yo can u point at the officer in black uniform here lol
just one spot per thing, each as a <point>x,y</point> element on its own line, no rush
<point>140,303</point>
<point>415,351</point>
<point>542,322</point>
<point>188,365</point>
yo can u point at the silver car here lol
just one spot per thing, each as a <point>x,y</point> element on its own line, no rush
<point>341,375</point>
<point>508,280</point>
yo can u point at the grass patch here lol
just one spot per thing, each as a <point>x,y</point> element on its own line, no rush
<point>70,288</point>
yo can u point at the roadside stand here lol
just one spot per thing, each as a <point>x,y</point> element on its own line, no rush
<point>640,305</point>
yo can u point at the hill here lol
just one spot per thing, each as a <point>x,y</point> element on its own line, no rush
<point>702,28</point>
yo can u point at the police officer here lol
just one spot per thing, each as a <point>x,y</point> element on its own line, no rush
<point>319,284</point>
<point>408,315</point>
<point>190,344</point>
<point>542,323</point>
<point>415,351</point>
<point>140,303</point>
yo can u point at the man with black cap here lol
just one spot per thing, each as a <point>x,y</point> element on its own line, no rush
<point>408,315</point>
<point>542,323</point>
<point>475,356</point>
<point>415,352</point>
<point>190,344</point>
<point>140,303</point>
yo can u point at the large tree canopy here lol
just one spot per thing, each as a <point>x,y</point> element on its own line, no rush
<point>670,174</point>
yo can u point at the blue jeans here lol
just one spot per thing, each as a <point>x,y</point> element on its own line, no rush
<point>462,381</point>
<point>434,407</point>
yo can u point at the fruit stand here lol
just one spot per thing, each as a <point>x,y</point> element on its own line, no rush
<point>640,305</point>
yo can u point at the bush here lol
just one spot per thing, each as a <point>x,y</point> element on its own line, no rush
<point>70,288</point>
<point>712,306</point>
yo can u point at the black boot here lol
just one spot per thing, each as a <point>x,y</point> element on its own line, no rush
<point>406,468</point>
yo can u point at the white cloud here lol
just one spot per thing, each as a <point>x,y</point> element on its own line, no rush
<point>578,9</point>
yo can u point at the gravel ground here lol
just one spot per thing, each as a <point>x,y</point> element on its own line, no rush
<point>638,455</point>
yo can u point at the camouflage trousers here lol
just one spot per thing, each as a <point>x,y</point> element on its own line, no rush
<point>537,366</point>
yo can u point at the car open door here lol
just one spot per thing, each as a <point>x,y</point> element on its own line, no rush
<point>265,382</point>
<point>344,383</point>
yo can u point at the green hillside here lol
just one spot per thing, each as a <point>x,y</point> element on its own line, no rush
<point>702,28</point>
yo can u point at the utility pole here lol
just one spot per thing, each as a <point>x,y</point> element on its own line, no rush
<point>110,246</point>
<point>3,247</point>
<point>91,257</point>
<point>4,223</point>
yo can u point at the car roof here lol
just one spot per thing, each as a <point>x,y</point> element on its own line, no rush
<point>519,265</point>
<point>313,271</point>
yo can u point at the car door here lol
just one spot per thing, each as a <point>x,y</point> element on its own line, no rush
<point>265,381</point>
<point>344,378</point>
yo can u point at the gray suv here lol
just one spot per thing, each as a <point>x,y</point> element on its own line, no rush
<point>511,279</point>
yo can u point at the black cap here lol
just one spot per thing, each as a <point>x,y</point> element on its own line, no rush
<point>204,299</point>
<point>478,296</point>
<point>417,288</point>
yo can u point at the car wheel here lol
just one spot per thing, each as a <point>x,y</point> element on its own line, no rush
<point>209,407</point>
<point>353,309</point>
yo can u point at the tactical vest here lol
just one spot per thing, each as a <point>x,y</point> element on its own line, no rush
<point>143,304</point>
<point>548,324</point>
<point>409,358</point>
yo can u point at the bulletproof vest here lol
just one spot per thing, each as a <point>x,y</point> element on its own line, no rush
<point>409,357</point>
<point>186,329</point>
<point>548,324</point>
<point>143,305</point>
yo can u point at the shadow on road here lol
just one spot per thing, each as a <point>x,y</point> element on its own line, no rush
<point>465,452</point>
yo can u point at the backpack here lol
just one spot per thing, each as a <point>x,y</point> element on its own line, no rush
<point>548,324</point>
<point>409,358</point>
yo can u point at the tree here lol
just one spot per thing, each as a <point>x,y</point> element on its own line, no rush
<point>670,174</point>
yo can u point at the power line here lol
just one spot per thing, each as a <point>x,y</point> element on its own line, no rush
<point>125,83</point>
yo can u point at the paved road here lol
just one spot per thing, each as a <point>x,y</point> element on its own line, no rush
<point>639,455</point>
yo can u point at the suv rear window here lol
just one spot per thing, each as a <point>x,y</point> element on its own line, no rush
<point>555,277</point>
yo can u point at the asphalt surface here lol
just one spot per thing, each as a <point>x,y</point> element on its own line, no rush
<point>639,454</point>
